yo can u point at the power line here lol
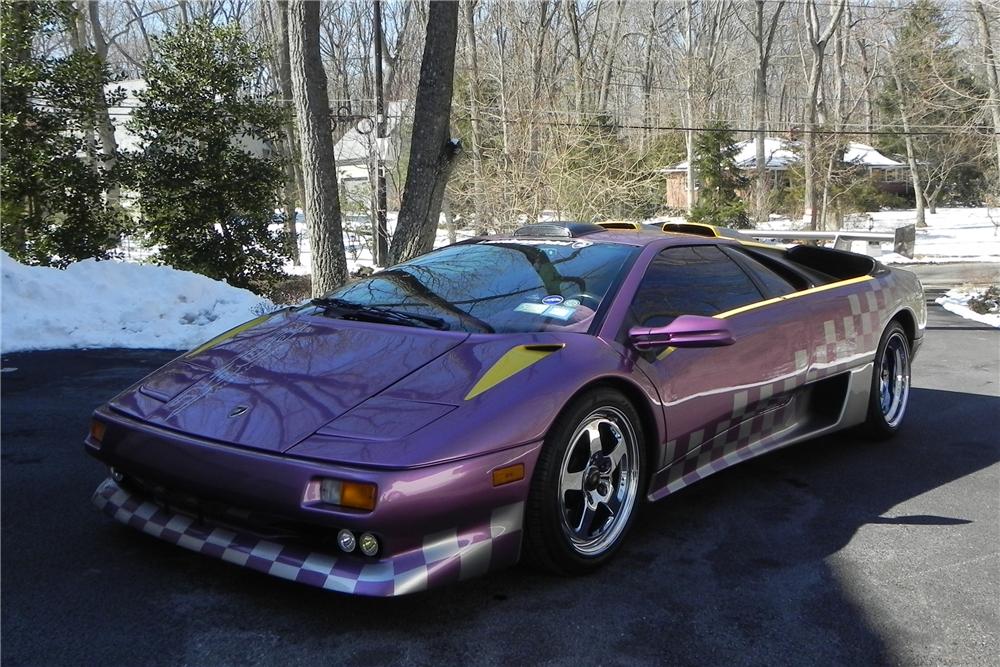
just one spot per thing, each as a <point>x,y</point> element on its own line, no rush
<point>684,128</point>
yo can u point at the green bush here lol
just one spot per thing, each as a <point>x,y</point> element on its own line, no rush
<point>207,201</point>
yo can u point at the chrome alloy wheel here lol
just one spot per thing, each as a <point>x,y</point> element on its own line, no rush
<point>599,481</point>
<point>894,379</point>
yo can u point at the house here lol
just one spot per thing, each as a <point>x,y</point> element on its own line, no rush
<point>354,151</point>
<point>781,155</point>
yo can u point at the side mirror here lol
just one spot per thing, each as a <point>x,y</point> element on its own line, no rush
<point>684,331</point>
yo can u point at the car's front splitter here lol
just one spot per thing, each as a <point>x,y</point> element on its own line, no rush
<point>445,557</point>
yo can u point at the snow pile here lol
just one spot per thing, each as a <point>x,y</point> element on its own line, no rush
<point>957,301</point>
<point>115,304</point>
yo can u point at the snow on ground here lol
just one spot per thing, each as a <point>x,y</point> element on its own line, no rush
<point>115,304</point>
<point>358,245</point>
<point>951,235</point>
<point>957,300</point>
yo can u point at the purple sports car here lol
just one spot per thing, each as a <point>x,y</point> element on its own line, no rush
<point>500,399</point>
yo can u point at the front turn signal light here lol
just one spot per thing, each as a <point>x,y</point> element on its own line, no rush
<point>97,430</point>
<point>356,495</point>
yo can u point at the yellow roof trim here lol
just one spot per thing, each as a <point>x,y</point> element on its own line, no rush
<point>812,290</point>
<point>512,362</point>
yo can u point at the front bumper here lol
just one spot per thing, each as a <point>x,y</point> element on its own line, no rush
<point>443,558</point>
<point>435,524</point>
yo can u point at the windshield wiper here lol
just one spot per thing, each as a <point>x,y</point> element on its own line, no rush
<point>379,314</point>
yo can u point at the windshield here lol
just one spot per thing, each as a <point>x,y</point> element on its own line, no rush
<point>499,285</point>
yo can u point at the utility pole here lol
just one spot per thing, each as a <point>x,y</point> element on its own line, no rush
<point>380,231</point>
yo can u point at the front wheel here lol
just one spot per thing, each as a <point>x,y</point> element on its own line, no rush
<point>587,484</point>
<point>890,390</point>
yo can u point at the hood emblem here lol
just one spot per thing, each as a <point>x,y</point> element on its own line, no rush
<point>238,410</point>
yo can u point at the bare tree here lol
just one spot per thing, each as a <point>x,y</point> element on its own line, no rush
<point>431,151</point>
<point>472,60</point>
<point>276,14</point>
<point>312,107</point>
<point>762,30</point>
<point>983,20</point>
<point>817,43</point>
<point>911,155</point>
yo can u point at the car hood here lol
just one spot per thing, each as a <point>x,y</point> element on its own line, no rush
<point>276,382</point>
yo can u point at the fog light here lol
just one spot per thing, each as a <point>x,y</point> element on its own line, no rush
<point>369,544</point>
<point>345,539</point>
<point>117,475</point>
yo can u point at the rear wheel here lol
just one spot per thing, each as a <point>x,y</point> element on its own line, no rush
<point>890,390</point>
<point>587,484</point>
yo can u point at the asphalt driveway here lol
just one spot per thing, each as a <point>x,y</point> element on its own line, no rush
<point>836,551</point>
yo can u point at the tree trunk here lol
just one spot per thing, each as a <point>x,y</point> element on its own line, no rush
<point>431,151</point>
<point>105,130</point>
<point>609,58</point>
<point>764,38</point>
<point>911,156</point>
<point>992,76</point>
<point>473,62</point>
<point>818,44</point>
<point>293,193</point>
<point>78,43</point>
<point>544,19</point>
<point>689,104</point>
<point>760,121</point>
<point>647,74</point>
<point>312,108</point>
<point>449,220</point>
<point>574,30</point>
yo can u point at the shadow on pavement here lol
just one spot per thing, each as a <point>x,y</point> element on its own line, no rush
<point>732,570</point>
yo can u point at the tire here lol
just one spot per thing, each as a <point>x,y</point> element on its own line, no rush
<point>584,498</point>
<point>890,389</point>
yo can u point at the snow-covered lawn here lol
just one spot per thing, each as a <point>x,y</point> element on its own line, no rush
<point>358,246</point>
<point>957,301</point>
<point>951,235</point>
<point>115,304</point>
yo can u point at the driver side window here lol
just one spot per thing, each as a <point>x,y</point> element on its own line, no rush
<point>690,280</point>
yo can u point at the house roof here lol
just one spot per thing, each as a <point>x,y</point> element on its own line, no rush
<point>781,154</point>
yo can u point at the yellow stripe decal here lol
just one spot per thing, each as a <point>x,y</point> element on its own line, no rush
<point>222,338</point>
<point>666,353</point>
<point>512,362</point>
<point>812,290</point>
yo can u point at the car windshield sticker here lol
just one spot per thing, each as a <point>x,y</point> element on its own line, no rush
<point>555,312</point>
<point>552,300</point>
<point>558,312</point>
<point>571,303</point>
<point>533,308</point>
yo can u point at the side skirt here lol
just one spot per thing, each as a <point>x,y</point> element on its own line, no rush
<point>824,406</point>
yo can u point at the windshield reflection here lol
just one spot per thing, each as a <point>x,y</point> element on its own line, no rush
<point>508,285</point>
